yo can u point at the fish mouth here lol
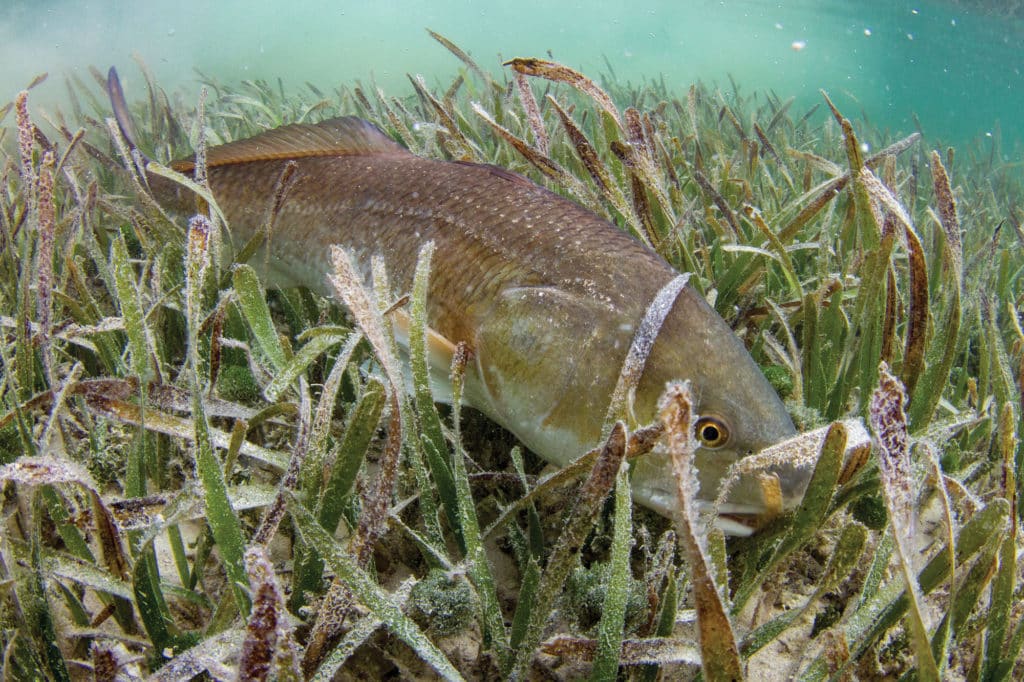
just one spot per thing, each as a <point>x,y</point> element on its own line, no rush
<point>759,488</point>
<point>731,518</point>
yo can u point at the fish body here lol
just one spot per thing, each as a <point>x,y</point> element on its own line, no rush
<point>547,295</point>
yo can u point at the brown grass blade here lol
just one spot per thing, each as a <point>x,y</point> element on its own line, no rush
<point>719,652</point>
<point>947,211</point>
<point>553,71</point>
<point>540,135</point>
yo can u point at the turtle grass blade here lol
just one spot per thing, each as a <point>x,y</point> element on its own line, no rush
<point>224,524</point>
<point>810,514</point>
<point>889,423</point>
<point>368,592</point>
<point>527,602</point>
<point>613,611</point>
<point>665,624</point>
<point>131,309</point>
<point>358,633</point>
<point>479,567</point>
<point>253,303</point>
<point>883,604</point>
<point>577,525</point>
<point>1004,582</point>
<point>303,358</point>
<point>841,563</point>
<point>350,453</point>
<point>431,435</point>
<point>38,616</point>
<point>720,659</point>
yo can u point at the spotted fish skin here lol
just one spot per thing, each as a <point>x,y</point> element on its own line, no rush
<point>546,295</point>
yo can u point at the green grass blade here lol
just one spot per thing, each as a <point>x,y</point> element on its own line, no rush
<point>254,307</point>
<point>432,437</point>
<point>349,455</point>
<point>578,524</point>
<point>527,601</point>
<point>476,556</point>
<point>368,592</point>
<point>810,514</point>
<point>131,309</point>
<point>613,614</point>
<point>317,346</point>
<point>41,621</point>
<point>224,524</point>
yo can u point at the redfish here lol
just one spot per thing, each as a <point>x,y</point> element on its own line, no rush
<point>550,298</point>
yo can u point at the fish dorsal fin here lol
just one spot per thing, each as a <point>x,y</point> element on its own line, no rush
<point>500,172</point>
<point>344,136</point>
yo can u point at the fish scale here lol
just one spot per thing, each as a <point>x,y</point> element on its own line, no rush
<point>547,295</point>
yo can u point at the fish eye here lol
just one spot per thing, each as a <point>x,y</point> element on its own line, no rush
<point>712,432</point>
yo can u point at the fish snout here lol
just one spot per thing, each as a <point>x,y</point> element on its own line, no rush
<point>744,492</point>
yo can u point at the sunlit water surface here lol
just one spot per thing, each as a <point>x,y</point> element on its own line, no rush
<point>959,71</point>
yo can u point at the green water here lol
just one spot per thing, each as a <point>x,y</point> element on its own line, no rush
<point>958,70</point>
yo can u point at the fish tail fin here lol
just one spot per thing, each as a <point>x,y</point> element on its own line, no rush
<point>121,113</point>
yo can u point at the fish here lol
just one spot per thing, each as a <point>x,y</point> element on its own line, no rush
<point>549,298</point>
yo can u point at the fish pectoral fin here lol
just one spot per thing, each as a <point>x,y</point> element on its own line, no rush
<point>342,136</point>
<point>547,361</point>
<point>440,351</point>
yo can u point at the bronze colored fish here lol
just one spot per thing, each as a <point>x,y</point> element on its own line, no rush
<point>549,297</point>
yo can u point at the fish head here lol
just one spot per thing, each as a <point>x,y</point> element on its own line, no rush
<point>737,415</point>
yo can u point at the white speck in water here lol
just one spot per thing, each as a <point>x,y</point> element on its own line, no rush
<point>865,147</point>
<point>798,45</point>
<point>988,134</point>
<point>952,22</point>
<point>910,36</point>
<point>171,31</point>
<point>867,32</point>
<point>914,11</point>
<point>778,26</point>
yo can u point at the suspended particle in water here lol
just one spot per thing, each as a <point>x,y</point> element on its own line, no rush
<point>798,45</point>
<point>867,32</point>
